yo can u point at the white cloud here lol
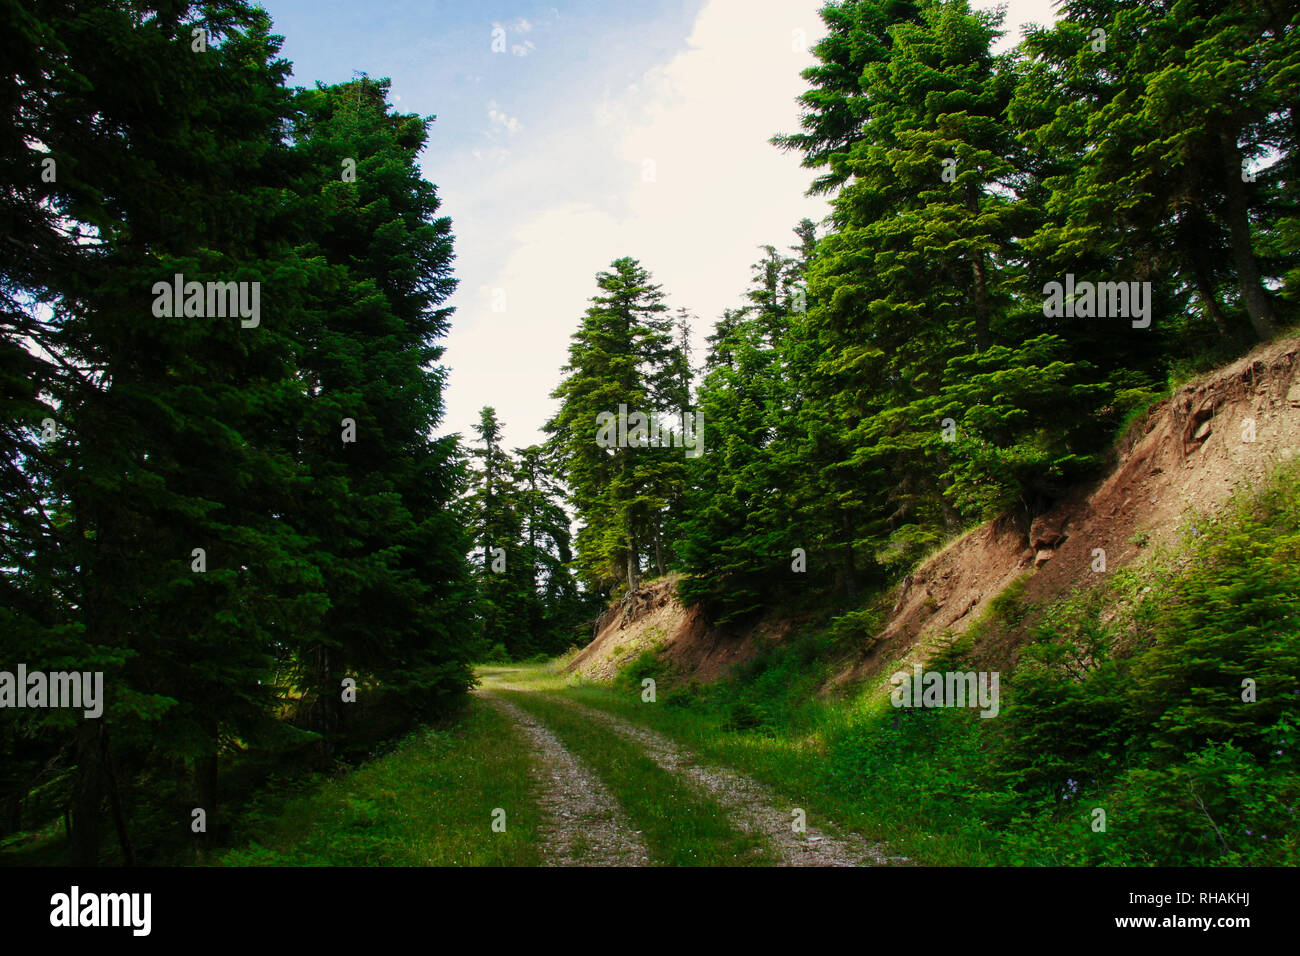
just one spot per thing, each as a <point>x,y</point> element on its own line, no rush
<point>607,112</point>
<point>495,154</point>
<point>520,25</point>
<point>499,120</point>
<point>511,359</point>
<point>720,190</point>
<point>704,120</point>
<point>1019,13</point>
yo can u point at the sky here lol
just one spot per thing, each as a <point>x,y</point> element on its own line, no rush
<point>569,134</point>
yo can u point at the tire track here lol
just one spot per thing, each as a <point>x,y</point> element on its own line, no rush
<point>584,825</point>
<point>753,806</point>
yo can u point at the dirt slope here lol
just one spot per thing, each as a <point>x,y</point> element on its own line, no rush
<point>1187,456</point>
<point>653,618</point>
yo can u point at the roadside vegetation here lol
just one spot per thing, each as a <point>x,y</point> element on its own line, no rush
<point>429,803</point>
<point>1168,699</point>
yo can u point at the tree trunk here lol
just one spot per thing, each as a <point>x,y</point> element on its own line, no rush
<point>951,517</point>
<point>14,814</point>
<point>89,783</point>
<point>1192,246</point>
<point>335,671</point>
<point>982,336</point>
<point>981,306</point>
<point>208,775</point>
<point>88,797</point>
<point>633,567</point>
<point>325,700</point>
<point>532,553</point>
<point>115,803</point>
<point>1205,292</point>
<point>850,567</point>
<point>1253,294</point>
<point>206,769</point>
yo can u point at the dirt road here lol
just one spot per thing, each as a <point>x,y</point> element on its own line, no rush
<point>586,825</point>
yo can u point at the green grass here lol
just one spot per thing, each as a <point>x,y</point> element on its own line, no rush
<point>791,753</point>
<point>1127,697</point>
<point>44,847</point>
<point>1107,707</point>
<point>795,763</point>
<point>429,803</point>
<point>680,824</point>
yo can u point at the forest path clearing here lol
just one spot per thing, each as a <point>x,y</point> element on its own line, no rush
<point>585,825</point>
<point>751,808</point>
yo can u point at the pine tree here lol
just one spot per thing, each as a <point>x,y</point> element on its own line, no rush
<point>742,522</point>
<point>623,360</point>
<point>833,110</point>
<point>505,566</point>
<point>165,161</point>
<point>556,605</point>
<point>193,522</point>
<point>923,325</point>
<point>1175,110</point>
<point>378,502</point>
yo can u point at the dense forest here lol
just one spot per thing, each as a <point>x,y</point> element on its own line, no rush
<point>224,486</point>
<point>906,374</point>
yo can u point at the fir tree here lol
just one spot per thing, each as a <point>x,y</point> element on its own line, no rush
<point>624,356</point>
